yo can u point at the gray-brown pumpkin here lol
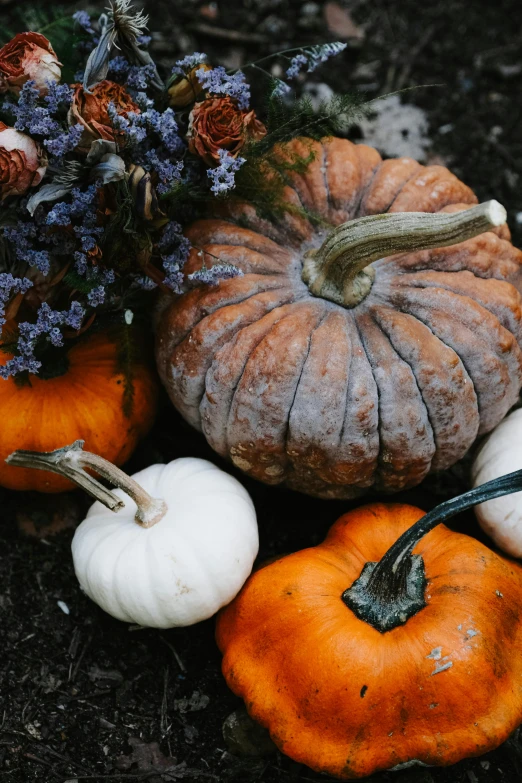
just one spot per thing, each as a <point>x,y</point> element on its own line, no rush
<point>318,371</point>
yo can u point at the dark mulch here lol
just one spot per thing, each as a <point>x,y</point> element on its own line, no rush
<point>83,696</point>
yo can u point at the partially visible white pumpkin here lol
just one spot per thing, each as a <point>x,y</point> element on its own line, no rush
<point>501,518</point>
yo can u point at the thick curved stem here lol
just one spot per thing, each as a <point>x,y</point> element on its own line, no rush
<point>340,269</point>
<point>389,592</point>
<point>70,462</point>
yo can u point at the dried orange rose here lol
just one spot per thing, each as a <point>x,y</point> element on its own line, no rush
<point>219,124</point>
<point>28,56</point>
<point>22,162</point>
<point>91,109</point>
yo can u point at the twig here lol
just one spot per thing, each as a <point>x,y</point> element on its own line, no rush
<point>228,35</point>
<point>413,54</point>
<point>175,654</point>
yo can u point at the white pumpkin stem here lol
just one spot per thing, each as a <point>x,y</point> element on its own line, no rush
<point>70,462</point>
<point>340,269</point>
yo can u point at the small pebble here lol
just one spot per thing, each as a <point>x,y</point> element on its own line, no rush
<point>63,606</point>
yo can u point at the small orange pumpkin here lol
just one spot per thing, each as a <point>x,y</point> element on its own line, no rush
<point>86,402</point>
<point>417,661</point>
<point>317,370</point>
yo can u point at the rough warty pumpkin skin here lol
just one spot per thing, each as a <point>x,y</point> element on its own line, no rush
<point>332,401</point>
<point>86,402</point>
<point>347,700</point>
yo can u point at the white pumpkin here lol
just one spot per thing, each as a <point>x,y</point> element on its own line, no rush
<point>181,545</point>
<point>501,453</point>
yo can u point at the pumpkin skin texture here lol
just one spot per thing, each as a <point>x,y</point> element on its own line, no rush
<point>347,700</point>
<point>333,401</point>
<point>86,402</point>
<point>501,518</point>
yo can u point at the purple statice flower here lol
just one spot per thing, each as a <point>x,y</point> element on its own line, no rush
<point>296,64</point>
<point>313,56</point>
<point>168,172</point>
<point>176,248</point>
<point>141,77</point>
<point>58,96</point>
<point>75,316</point>
<point>83,19</point>
<point>223,176</point>
<point>131,126</point>
<point>19,364</point>
<point>218,82</point>
<point>280,88</point>
<point>165,125</point>
<point>146,283</point>
<point>60,215</point>
<point>136,77</point>
<point>189,62</point>
<point>21,237</point>
<point>119,68</point>
<point>216,273</point>
<point>80,262</point>
<point>144,102</point>
<point>82,204</point>
<point>65,142</point>
<point>37,120</point>
<point>47,323</point>
<point>10,285</point>
<point>143,40</point>
<point>96,296</point>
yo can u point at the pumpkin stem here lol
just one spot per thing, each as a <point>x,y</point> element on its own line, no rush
<point>339,270</point>
<point>70,462</point>
<point>388,593</point>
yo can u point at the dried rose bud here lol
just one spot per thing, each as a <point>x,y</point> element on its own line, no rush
<point>218,123</point>
<point>91,109</point>
<point>22,162</point>
<point>186,89</point>
<point>28,56</point>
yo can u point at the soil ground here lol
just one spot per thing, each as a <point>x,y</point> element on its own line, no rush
<point>86,698</point>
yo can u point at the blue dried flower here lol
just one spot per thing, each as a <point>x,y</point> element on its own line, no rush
<point>83,19</point>
<point>296,64</point>
<point>59,96</point>
<point>216,273</point>
<point>223,176</point>
<point>313,56</point>
<point>10,285</point>
<point>189,62</point>
<point>96,296</point>
<point>176,249</point>
<point>218,82</point>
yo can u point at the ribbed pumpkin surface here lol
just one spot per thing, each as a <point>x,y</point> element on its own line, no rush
<point>332,401</point>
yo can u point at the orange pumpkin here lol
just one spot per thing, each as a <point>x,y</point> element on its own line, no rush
<point>86,402</point>
<point>298,380</point>
<point>357,666</point>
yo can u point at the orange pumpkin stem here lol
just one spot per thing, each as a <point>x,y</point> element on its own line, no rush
<point>340,269</point>
<point>388,593</point>
<point>70,462</point>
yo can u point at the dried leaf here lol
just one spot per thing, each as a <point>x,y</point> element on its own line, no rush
<point>97,66</point>
<point>99,148</point>
<point>50,192</point>
<point>110,169</point>
<point>340,23</point>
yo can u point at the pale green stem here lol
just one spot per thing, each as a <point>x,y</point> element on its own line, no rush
<point>70,462</point>
<point>340,269</point>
